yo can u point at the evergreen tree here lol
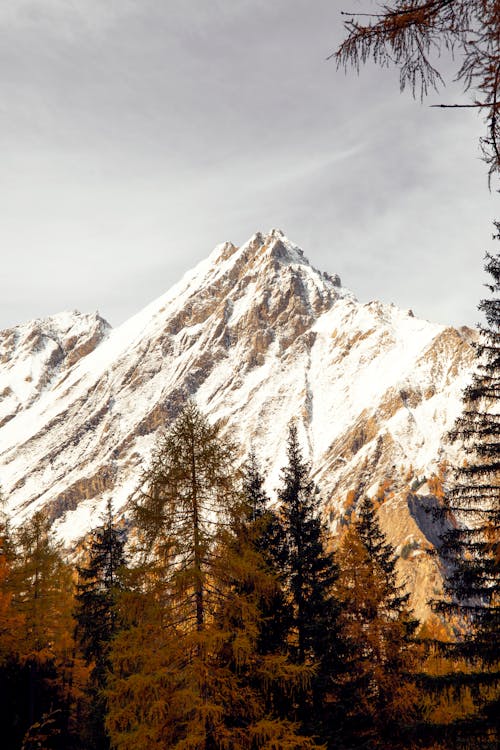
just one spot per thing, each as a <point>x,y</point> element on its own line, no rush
<point>310,573</point>
<point>268,539</point>
<point>471,549</point>
<point>250,628</point>
<point>100,581</point>
<point>186,672</point>
<point>378,689</point>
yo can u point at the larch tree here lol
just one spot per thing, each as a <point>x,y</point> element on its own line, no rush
<point>186,671</point>
<point>43,598</point>
<point>143,661</point>
<point>378,688</point>
<point>12,715</point>
<point>187,493</point>
<point>411,33</point>
<point>10,620</point>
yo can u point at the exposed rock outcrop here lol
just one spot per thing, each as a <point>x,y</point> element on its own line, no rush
<point>257,336</point>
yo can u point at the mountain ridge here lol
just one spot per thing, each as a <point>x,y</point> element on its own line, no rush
<point>256,335</point>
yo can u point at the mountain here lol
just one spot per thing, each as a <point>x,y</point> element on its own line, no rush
<point>257,336</point>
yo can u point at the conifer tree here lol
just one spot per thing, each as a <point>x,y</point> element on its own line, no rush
<point>267,537</point>
<point>383,556</point>
<point>186,671</point>
<point>378,689</point>
<point>161,696</point>
<point>471,548</point>
<point>250,628</point>
<point>403,33</point>
<point>407,33</point>
<point>96,614</point>
<point>187,494</point>
<point>43,598</point>
<point>167,696</point>
<point>310,573</point>
<point>12,688</point>
<point>10,620</point>
<point>143,661</point>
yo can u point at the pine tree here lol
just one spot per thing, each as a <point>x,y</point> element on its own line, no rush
<point>186,672</point>
<point>250,628</point>
<point>471,549</point>
<point>310,573</point>
<point>267,537</point>
<point>100,581</point>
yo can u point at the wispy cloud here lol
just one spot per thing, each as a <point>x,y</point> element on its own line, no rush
<point>135,135</point>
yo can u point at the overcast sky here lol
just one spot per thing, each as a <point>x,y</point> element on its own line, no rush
<point>135,135</point>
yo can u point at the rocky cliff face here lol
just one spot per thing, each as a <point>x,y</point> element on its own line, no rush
<point>33,355</point>
<point>257,336</point>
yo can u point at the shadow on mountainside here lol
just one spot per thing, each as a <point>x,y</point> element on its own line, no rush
<point>427,512</point>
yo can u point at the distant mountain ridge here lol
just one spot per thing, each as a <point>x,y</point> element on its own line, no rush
<point>256,335</point>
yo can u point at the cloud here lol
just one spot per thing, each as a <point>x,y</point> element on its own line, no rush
<point>137,135</point>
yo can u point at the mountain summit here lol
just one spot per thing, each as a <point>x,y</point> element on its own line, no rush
<point>257,336</point>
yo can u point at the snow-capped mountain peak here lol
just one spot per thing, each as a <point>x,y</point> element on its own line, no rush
<point>257,336</point>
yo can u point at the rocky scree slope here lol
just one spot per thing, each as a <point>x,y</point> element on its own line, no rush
<point>256,335</point>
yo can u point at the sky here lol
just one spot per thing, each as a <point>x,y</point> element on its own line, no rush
<point>136,135</point>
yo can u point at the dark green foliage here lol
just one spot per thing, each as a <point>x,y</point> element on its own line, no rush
<point>471,548</point>
<point>267,537</point>
<point>253,621</point>
<point>309,568</point>
<point>310,573</point>
<point>99,580</point>
<point>99,583</point>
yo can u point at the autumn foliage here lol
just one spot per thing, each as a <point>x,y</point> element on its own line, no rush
<point>222,621</point>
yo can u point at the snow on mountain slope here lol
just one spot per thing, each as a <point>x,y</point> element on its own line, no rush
<point>33,354</point>
<point>257,336</point>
